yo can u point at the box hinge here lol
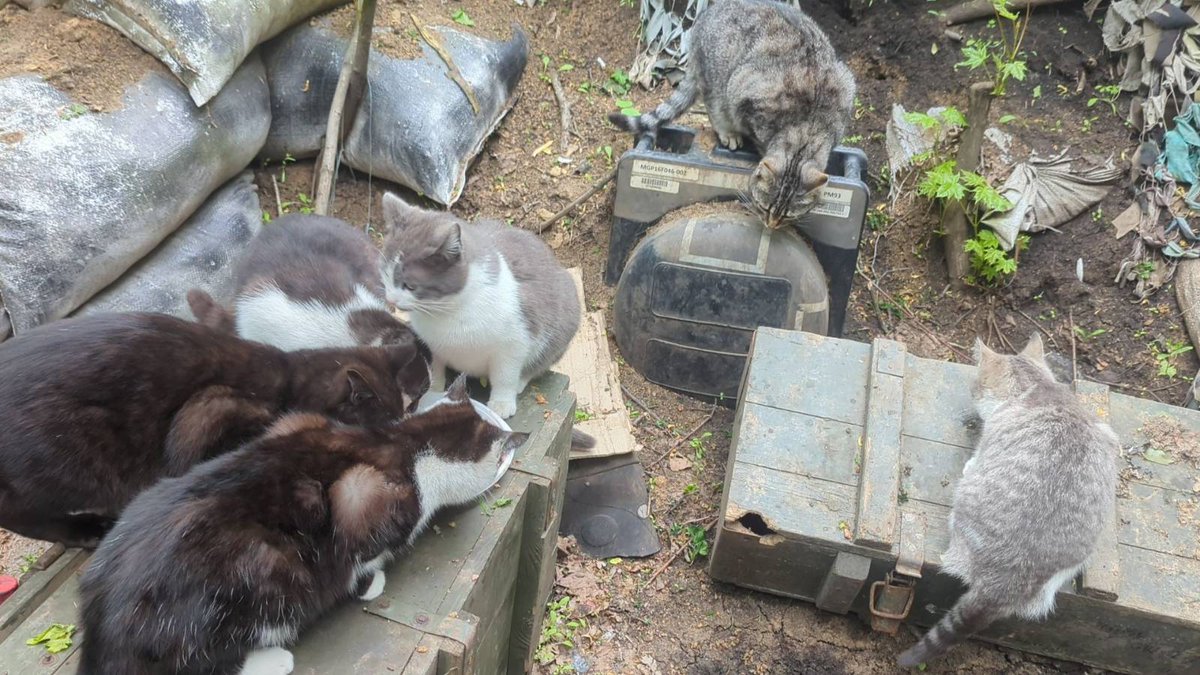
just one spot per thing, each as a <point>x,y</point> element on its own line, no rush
<point>891,599</point>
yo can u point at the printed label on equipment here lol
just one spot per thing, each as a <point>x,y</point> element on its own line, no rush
<point>657,184</point>
<point>834,202</point>
<point>684,173</point>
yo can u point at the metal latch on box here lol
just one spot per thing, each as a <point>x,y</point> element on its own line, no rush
<point>891,599</point>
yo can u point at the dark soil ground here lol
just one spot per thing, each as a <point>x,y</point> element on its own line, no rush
<point>683,621</point>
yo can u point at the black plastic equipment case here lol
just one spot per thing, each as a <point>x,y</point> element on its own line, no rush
<point>725,274</point>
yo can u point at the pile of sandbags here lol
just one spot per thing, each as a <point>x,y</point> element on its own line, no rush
<point>118,189</point>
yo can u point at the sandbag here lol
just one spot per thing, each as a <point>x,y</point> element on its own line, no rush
<point>202,41</point>
<point>86,196</point>
<point>202,253</point>
<point>415,126</point>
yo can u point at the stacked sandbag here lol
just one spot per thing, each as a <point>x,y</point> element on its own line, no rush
<point>415,126</point>
<point>88,194</point>
<point>201,254</point>
<point>203,42</point>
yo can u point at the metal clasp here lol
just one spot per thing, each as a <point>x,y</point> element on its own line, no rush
<point>890,602</point>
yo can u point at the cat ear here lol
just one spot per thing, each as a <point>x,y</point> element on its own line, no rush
<point>458,390</point>
<point>1034,350</point>
<point>982,352</point>
<point>359,389</point>
<point>451,249</point>
<point>396,211</point>
<point>811,177</point>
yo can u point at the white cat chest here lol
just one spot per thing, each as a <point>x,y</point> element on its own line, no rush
<point>840,476</point>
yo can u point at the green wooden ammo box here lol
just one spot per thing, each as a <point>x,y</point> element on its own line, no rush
<point>468,598</point>
<point>843,463</point>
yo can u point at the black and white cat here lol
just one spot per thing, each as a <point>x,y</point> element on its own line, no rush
<point>307,282</point>
<point>219,570</point>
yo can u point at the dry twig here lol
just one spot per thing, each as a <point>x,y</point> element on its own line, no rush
<point>564,112</point>
<point>685,438</point>
<point>350,85</point>
<point>596,187</point>
<point>678,551</point>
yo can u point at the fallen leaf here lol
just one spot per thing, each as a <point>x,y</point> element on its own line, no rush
<point>56,638</point>
<point>1157,456</point>
<point>541,400</point>
<point>679,464</point>
<point>845,528</point>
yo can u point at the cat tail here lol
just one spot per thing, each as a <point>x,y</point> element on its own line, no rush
<point>208,312</point>
<point>971,614</point>
<point>676,104</point>
<point>581,441</point>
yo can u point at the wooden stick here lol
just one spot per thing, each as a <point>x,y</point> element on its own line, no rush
<point>564,112</point>
<point>957,226</point>
<point>278,202</point>
<point>684,439</point>
<point>978,9</point>
<point>346,98</point>
<point>545,225</point>
<point>452,70</point>
<point>1074,362</point>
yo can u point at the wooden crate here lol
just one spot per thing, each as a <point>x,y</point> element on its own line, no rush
<point>468,598</point>
<point>841,471</point>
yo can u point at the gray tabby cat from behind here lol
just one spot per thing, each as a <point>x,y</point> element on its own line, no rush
<point>767,72</point>
<point>1031,502</point>
<point>489,300</point>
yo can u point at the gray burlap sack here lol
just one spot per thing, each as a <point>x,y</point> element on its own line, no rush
<point>202,41</point>
<point>202,254</point>
<point>415,127</point>
<point>85,196</point>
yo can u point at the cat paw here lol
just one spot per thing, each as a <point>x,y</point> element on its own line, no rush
<point>376,588</point>
<point>504,407</point>
<point>731,141</point>
<point>269,661</point>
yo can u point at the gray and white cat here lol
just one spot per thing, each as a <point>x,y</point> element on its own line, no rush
<point>1031,502</point>
<point>768,73</point>
<point>489,300</point>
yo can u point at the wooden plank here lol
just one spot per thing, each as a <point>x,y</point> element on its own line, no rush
<point>18,658</point>
<point>767,436</point>
<point>929,471</point>
<point>35,588</point>
<point>879,483</point>
<point>937,401</point>
<point>789,504</point>
<point>808,373</point>
<point>1102,577</point>
<point>596,384</point>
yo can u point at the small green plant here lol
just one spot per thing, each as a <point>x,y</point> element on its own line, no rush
<point>627,108</point>
<point>627,3</point>
<point>618,83</point>
<point>697,542</point>
<point>852,140</point>
<point>559,629</point>
<point>582,415</point>
<point>489,508</point>
<point>283,165</point>
<point>27,562</point>
<point>690,488</point>
<point>585,87</point>
<point>306,203</point>
<point>1107,93</point>
<point>944,183</point>
<point>699,446</point>
<point>878,218</point>
<point>1165,353</point>
<point>1085,335</point>
<point>72,111</point>
<point>460,17</point>
<point>1144,270</point>
<point>1086,125</point>
<point>1002,59</point>
<point>266,217</point>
